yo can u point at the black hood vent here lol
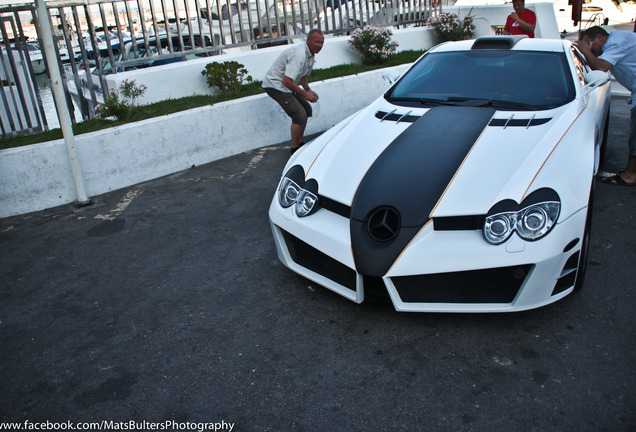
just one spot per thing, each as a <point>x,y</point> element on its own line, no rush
<point>396,117</point>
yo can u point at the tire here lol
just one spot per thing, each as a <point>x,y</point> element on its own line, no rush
<point>585,245</point>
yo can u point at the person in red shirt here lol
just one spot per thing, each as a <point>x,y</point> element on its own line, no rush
<point>522,21</point>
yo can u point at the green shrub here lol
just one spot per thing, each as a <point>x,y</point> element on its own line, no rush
<point>113,107</point>
<point>227,76</point>
<point>121,109</point>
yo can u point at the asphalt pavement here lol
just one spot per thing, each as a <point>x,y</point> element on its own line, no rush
<point>165,305</point>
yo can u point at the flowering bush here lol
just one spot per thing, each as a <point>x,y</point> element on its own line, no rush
<point>450,28</point>
<point>121,109</point>
<point>373,44</point>
<point>113,107</point>
<point>132,91</point>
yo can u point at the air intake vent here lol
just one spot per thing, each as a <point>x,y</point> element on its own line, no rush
<point>497,42</point>
<point>518,122</point>
<point>396,117</point>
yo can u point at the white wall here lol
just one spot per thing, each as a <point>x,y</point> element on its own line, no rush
<point>38,176</point>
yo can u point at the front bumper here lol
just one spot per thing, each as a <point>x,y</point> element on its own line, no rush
<point>439,271</point>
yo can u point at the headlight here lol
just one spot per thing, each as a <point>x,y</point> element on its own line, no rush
<point>532,220</point>
<point>305,203</point>
<point>288,192</point>
<point>498,228</point>
<point>537,220</point>
<point>304,198</point>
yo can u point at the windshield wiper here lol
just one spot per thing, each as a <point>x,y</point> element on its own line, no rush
<point>496,103</point>
<point>477,102</point>
<point>402,99</point>
<point>430,101</point>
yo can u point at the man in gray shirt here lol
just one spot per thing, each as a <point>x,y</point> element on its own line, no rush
<point>286,83</point>
<point>616,52</point>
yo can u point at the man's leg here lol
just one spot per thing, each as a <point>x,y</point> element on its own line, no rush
<point>296,110</point>
<point>629,175</point>
<point>299,122</point>
<point>297,134</point>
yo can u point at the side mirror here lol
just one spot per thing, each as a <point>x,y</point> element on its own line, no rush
<point>595,79</point>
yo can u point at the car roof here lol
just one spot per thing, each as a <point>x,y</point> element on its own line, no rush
<point>506,43</point>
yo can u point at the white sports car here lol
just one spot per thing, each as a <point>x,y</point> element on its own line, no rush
<point>466,187</point>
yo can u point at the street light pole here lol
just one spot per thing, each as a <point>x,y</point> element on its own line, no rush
<point>46,43</point>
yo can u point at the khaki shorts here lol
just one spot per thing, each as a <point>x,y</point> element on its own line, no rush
<point>294,105</point>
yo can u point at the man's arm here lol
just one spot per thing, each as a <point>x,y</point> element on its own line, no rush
<point>594,62</point>
<point>529,27</point>
<point>304,91</point>
<point>507,26</point>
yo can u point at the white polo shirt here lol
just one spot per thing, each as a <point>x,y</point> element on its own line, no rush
<point>620,51</point>
<point>295,63</point>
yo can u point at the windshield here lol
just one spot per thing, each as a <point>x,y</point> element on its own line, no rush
<point>513,80</point>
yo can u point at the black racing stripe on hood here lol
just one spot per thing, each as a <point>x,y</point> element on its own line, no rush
<point>410,176</point>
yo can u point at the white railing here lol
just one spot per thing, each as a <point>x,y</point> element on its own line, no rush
<point>96,38</point>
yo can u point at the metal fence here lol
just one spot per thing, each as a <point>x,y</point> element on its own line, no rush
<point>95,38</point>
<point>20,105</point>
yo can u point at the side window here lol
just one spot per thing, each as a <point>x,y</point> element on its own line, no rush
<point>582,67</point>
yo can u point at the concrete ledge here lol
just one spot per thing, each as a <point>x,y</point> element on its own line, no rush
<point>38,176</point>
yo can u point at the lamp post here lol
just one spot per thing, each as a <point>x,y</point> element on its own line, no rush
<point>46,43</point>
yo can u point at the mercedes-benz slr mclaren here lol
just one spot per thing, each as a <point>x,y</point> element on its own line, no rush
<point>466,187</point>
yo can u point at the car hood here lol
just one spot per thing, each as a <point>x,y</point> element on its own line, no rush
<point>397,168</point>
<point>462,159</point>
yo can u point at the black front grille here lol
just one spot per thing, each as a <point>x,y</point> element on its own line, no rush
<point>374,289</point>
<point>316,261</point>
<point>497,285</point>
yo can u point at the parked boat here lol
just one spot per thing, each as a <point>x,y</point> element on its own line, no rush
<point>141,54</point>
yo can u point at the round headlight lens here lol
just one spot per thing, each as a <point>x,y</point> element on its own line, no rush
<point>288,192</point>
<point>537,220</point>
<point>498,227</point>
<point>305,203</point>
